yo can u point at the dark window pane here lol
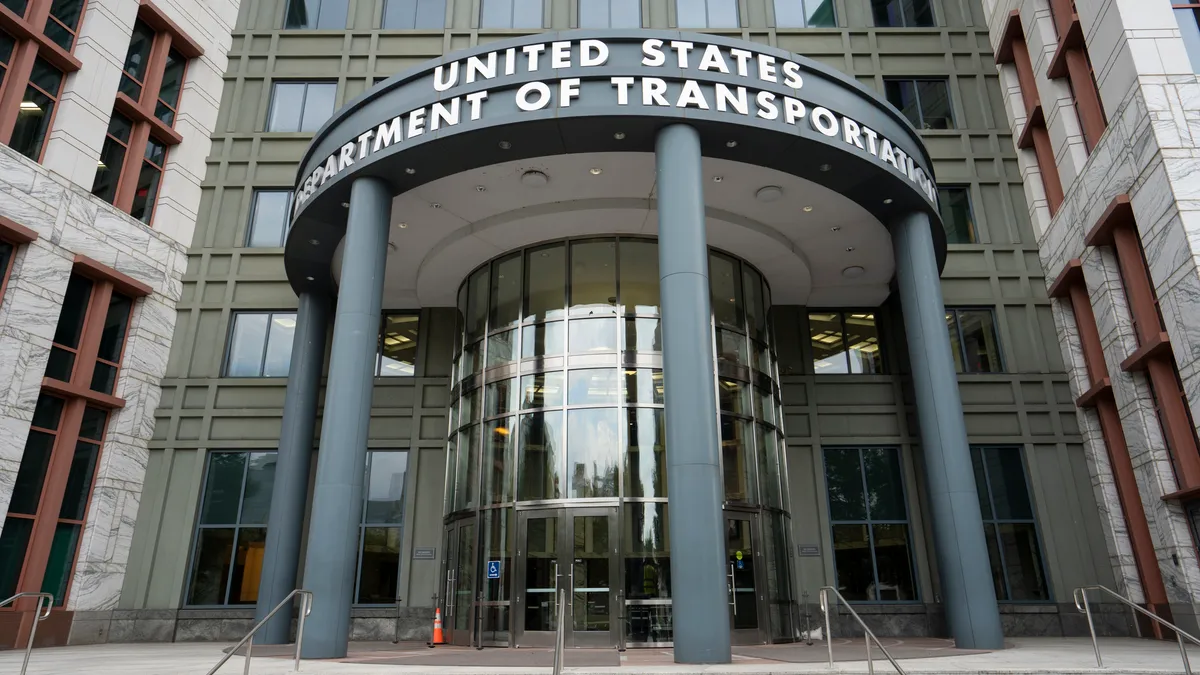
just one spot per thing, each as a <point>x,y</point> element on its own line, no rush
<point>893,562</point>
<point>136,59</point>
<point>545,279</point>
<point>223,488</point>
<point>538,463</point>
<point>48,412</point>
<point>14,540</point>
<point>385,488</point>
<point>477,305</point>
<point>67,13</point>
<point>18,8</point>
<point>379,565</point>
<point>725,283</point>
<point>646,456</point>
<point>734,396</point>
<point>980,345</point>
<point>75,304</point>
<point>399,348</point>
<point>6,256</point>
<point>903,95</point>
<point>61,562</point>
<point>955,342</point>
<point>246,346</point>
<point>501,398</point>
<point>108,170</point>
<point>885,484</point>
<point>36,109</point>
<point>828,343</point>
<point>955,206</point>
<point>466,490</point>
<point>210,566</point>
<point>319,100</point>
<point>287,105</point>
<point>115,323</point>
<point>862,344</point>
<point>247,565</point>
<point>843,479</point>
<point>256,500</point>
<point>900,13</point>
<point>981,484</point>
<point>31,476</point>
<point>104,378</point>
<point>1006,475</point>
<point>731,349</point>
<point>1022,561</point>
<point>281,333</point>
<point>592,447</point>
<point>501,348</point>
<point>302,13</point>
<point>852,562</point>
<point>172,84</point>
<point>60,364</point>
<point>996,564</point>
<point>92,426</point>
<point>146,191</point>
<point>935,104</point>
<point>269,218</point>
<point>79,481</point>
<point>820,13</point>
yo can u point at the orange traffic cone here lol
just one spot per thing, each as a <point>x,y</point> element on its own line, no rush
<point>437,628</point>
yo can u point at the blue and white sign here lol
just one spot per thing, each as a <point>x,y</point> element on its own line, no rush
<point>493,569</point>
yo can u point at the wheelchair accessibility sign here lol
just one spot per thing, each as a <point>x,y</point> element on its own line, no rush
<point>493,569</point>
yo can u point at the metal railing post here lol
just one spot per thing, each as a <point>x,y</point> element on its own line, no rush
<point>38,617</point>
<point>870,637</point>
<point>248,640</point>
<point>560,632</point>
<point>1081,604</point>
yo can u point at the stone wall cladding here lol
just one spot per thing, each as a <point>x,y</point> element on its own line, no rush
<point>1150,151</point>
<point>70,221</point>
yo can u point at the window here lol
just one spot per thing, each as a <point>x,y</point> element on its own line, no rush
<point>62,364</point>
<point>872,551</point>
<point>1008,523</point>
<point>7,44</point>
<point>300,106</point>
<point>804,14</point>
<point>410,14</point>
<point>902,13</point>
<point>62,24</point>
<point>381,528</point>
<point>511,14</point>
<point>269,218</point>
<point>129,174</point>
<point>260,344</point>
<point>7,254</point>
<point>398,346</point>
<point>955,206</point>
<point>974,341</point>
<point>231,530</point>
<point>845,342</point>
<point>27,491</point>
<point>926,103</point>
<point>1188,16</point>
<point>318,14</point>
<point>610,14</point>
<point>37,109</point>
<point>706,14</point>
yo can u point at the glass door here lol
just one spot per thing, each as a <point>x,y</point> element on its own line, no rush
<point>574,551</point>
<point>746,600</point>
<point>460,582</point>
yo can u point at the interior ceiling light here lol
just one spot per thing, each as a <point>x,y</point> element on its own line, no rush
<point>769,193</point>
<point>853,272</point>
<point>888,200</point>
<point>596,171</point>
<point>345,205</point>
<point>849,249</point>
<point>836,228</point>
<point>308,279</point>
<point>620,135</point>
<point>718,179</point>
<point>808,209</point>
<point>533,178</point>
<point>315,242</point>
<point>731,144</point>
<point>480,188</point>
<point>410,171</point>
<point>402,225</point>
<point>825,167</point>
<point>504,145</point>
<point>436,205</point>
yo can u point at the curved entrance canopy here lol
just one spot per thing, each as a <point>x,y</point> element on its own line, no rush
<point>608,92</point>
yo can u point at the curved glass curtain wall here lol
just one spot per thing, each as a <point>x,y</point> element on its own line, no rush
<point>558,401</point>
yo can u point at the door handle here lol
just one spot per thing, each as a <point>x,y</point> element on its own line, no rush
<point>732,590</point>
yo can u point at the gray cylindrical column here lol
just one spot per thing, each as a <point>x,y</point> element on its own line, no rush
<point>967,594</point>
<point>329,566</point>
<point>290,493</point>
<point>694,490</point>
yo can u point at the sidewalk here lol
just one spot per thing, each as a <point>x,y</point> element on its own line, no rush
<point>1059,656</point>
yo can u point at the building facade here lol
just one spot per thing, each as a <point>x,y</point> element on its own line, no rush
<point>106,112</point>
<point>1102,98</point>
<point>494,436</point>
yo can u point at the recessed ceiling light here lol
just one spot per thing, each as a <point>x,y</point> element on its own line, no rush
<point>825,167</point>
<point>309,279</point>
<point>808,209</point>
<point>480,188</point>
<point>504,145</point>
<point>769,193</point>
<point>345,205</point>
<point>849,249</point>
<point>402,225</point>
<point>718,179</point>
<point>835,228</point>
<point>315,242</point>
<point>410,171</point>
<point>436,205</point>
<point>534,178</point>
<point>853,272</point>
<point>596,171</point>
<point>888,200</point>
<point>731,144</point>
<point>544,254</point>
<point>620,135</point>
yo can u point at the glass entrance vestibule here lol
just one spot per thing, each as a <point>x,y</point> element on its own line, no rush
<point>556,477</point>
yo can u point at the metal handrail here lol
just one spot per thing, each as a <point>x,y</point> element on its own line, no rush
<point>560,632</point>
<point>41,616</point>
<point>306,598</point>
<point>1081,594</point>
<point>824,598</point>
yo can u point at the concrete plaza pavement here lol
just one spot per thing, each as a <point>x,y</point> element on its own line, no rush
<point>1057,656</point>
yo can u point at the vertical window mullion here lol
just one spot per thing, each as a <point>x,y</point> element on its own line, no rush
<point>987,479</point>
<point>303,105</point>
<point>237,527</point>
<point>262,357</point>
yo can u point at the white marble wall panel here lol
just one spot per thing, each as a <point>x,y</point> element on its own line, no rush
<point>70,221</point>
